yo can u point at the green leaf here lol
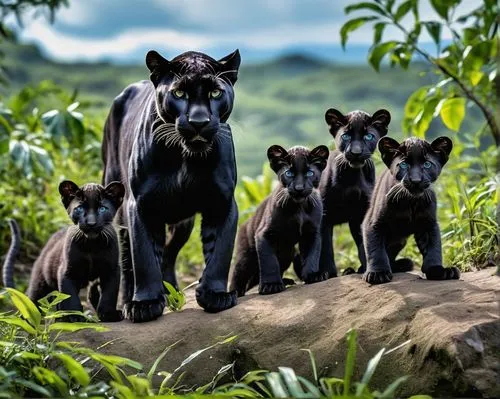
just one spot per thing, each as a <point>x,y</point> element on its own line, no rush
<point>51,300</point>
<point>364,6</point>
<point>25,306</point>
<point>414,103</point>
<point>352,337</point>
<point>423,120</point>
<point>378,52</point>
<point>351,26</point>
<point>370,370</point>
<point>175,299</point>
<point>276,384</point>
<point>72,327</point>
<point>442,7</point>
<point>74,368</point>
<point>49,377</point>
<point>391,389</point>
<point>378,30</point>
<point>453,113</point>
<point>18,322</point>
<point>434,29</point>
<point>403,10</point>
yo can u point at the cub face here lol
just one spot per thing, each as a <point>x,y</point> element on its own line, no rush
<point>298,169</point>
<point>356,134</point>
<point>415,162</point>
<point>195,93</point>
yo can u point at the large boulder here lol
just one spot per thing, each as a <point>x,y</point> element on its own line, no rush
<point>453,328</point>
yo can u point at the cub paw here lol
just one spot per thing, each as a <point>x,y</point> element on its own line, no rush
<point>74,319</point>
<point>402,265</point>
<point>288,281</point>
<point>143,311</point>
<point>377,277</point>
<point>315,277</point>
<point>442,273</point>
<point>350,270</point>
<point>214,302</point>
<point>110,316</point>
<point>271,288</point>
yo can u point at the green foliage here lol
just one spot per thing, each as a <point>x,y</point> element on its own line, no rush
<point>466,68</point>
<point>175,299</point>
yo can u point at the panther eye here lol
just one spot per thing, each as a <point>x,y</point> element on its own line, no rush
<point>427,164</point>
<point>309,173</point>
<point>404,165</point>
<point>78,210</point>
<point>179,93</point>
<point>289,173</point>
<point>216,93</point>
<point>369,137</point>
<point>346,137</point>
<point>102,209</point>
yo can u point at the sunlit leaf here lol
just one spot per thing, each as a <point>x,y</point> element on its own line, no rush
<point>378,52</point>
<point>72,327</point>
<point>453,112</point>
<point>74,368</point>
<point>25,306</point>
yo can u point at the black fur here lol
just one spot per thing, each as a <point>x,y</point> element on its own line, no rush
<point>168,142</point>
<point>347,183</point>
<point>83,253</point>
<point>290,215</point>
<point>10,258</point>
<point>404,204</point>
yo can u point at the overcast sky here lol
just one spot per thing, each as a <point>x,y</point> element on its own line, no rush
<point>123,30</point>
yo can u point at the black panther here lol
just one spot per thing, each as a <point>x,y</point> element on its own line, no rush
<point>168,141</point>
<point>404,204</point>
<point>347,182</point>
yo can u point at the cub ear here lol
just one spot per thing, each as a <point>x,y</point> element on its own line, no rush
<point>319,156</point>
<point>230,65</point>
<point>68,191</point>
<point>276,155</point>
<point>115,191</point>
<point>380,120</point>
<point>156,65</point>
<point>335,120</point>
<point>442,146</point>
<point>389,148</point>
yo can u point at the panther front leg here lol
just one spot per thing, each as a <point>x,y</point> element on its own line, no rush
<point>217,235</point>
<point>429,244</point>
<point>270,281</point>
<point>310,248</point>
<point>327,259</point>
<point>147,241</point>
<point>355,227</point>
<point>378,268</point>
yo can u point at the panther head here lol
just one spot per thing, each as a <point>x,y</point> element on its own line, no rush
<point>194,93</point>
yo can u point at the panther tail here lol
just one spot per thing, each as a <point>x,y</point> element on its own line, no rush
<point>15,245</point>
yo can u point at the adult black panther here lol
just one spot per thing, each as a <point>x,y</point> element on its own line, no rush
<point>168,142</point>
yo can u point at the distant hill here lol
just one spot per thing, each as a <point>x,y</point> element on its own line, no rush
<point>278,102</point>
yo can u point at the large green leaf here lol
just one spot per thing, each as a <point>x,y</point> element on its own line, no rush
<point>25,306</point>
<point>442,7</point>
<point>74,368</point>
<point>378,52</point>
<point>423,120</point>
<point>434,29</point>
<point>18,322</point>
<point>378,30</point>
<point>351,26</point>
<point>403,9</point>
<point>453,112</point>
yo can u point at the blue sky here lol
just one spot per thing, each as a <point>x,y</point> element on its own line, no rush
<point>124,30</point>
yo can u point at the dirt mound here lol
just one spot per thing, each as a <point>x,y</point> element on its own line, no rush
<point>453,328</point>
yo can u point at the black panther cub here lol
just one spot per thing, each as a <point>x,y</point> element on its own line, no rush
<point>79,254</point>
<point>404,204</point>
<point>290,215</point>
<point>347,183</point>
<point>167,141</point>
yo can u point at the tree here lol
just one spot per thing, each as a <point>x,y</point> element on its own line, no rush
<point>465,65</point>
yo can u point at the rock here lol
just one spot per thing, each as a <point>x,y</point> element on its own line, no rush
<point>453,328</point>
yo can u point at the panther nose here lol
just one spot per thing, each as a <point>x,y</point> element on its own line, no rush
<point>299,188</point>
<point>198,124</point>
<point>198,117</point>
<point>415,177</point>
<point>91,220</point>
<point>356,149</point>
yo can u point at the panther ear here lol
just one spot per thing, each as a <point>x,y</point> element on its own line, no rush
<point>276,155</point>
<point>68,191</point>
<point>335,120</point>
<point>115,191</point>
<point>157,65</point>
<point>230,65</point>
<point>389,148</point>
<point>442,146</point>
<point>380,120</point>
<point>319,156</point>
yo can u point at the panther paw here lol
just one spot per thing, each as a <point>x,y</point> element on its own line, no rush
<point>377,277</point>
<point>402,265</point>
<point>271,288</point>
<point>74,319</point>
<point>315,277</point>
<point>288,281</point>
<point>143,311</point>
<point>442,273</point>
<point>110,316</point>
<point>350,270</point>
<point>214,302</point>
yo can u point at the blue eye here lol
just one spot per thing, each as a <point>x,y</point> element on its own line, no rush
<point>102,209</point>
<point>289,173</point>
<point>78,210</point>
<point>427,164</point>
<point>404,165</point>
<point>309,173</point>
<point>346,137</point>
<point>369,137</point>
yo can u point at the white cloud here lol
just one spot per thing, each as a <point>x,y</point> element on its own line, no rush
<point>78,14</point>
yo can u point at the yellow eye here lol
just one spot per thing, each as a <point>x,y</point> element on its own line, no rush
<point>179,93</point>
<point>216,93</point>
